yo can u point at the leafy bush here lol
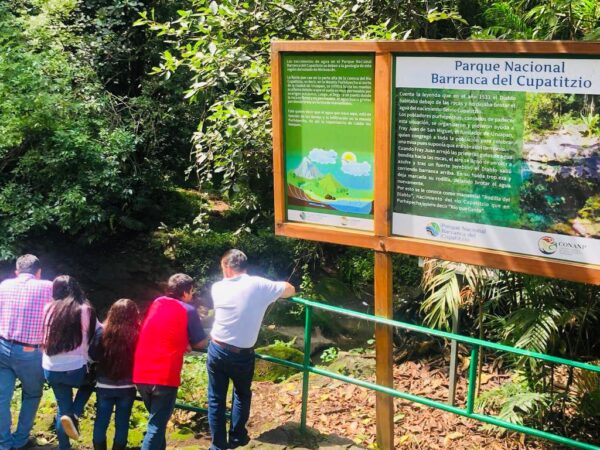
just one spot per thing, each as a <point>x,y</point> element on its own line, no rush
<point>66,161</point>
<point>225,48</point>
<point>514,403</point>
<point>199,254</point>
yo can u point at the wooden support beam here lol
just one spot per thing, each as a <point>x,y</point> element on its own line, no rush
<point>384,347</point>
<point>383,261</point>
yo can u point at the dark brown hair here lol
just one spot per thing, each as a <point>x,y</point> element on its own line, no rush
<point>119,338</point>
<point>178,284</point>
<point>63,320</point>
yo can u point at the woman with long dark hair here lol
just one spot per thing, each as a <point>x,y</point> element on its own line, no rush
<point>69,325</point>
<point>113,350</point>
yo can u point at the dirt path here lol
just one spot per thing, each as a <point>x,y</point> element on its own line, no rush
<point>342,416</point>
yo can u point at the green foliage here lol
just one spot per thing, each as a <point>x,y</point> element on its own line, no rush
<point>591,120</point>
<point>194,380</point>
<point>544,20</point>
<point>330,354</point>
<point>356,267</point>
<point>198,254</point>
<point>514,403</point>
<point>225,47</point>
<point>543,111</point>
<point>440,280</point>
<point>587,386</point>
<point>67,160</point>
<point>591,209</point>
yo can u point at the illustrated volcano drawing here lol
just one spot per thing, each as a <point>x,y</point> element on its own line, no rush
<point>307,170</point>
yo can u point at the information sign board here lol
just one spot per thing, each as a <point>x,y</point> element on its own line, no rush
<point>328,138</point>
<point>476,152</point>
<point>496,152</point>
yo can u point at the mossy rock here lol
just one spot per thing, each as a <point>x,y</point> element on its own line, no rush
<point>353,365</point>
<point>266,371</point>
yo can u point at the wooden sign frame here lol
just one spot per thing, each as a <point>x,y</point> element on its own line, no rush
<point>381,239</point>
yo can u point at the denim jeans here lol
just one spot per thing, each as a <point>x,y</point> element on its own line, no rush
<point>160,402</point>
<point>25,364</point>
<point>63,383</point>
<point>119,399</point>
<point>224,365</point>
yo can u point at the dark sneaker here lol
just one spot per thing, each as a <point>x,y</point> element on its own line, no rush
<point>31,443</point>
<point>238,442</point>
<point>70,426</point>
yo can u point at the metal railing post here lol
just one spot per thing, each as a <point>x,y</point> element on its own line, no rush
<point>306,365</point>
<point>472,379</point>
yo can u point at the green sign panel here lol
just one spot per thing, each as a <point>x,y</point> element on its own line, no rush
<point>328,138</point>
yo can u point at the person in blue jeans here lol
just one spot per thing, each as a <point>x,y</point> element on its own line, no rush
<point>240,302</point>
<point>22,302</point>
<point>113,349</point>
<point>24,363</point>
<point>69,325</point>
<point>171,327</point>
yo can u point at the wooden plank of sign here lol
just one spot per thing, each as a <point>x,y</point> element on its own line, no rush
<point>495,258</point>
<point>278,163</point>
<point>382,144</point>
<point>327,234</point>
<point>433,46</point>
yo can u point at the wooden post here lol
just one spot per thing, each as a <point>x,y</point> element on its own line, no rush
<point>384,347</point>
<point>383,260</point>
<point>278,162</point>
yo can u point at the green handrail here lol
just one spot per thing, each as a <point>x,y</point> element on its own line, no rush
<point>445,334</point>
<point>468,412</point>
<point>306,368</point>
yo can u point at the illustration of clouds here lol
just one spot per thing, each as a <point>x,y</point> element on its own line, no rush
<point>357,169</point>
<point>322,156</point>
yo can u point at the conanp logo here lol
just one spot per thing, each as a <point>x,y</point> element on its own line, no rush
<point>547,245</point>
<point>433,229</point>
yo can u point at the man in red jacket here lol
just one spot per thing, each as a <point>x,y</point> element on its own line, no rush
<point>171,326</point>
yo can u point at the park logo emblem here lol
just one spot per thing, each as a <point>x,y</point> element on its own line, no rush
<point>433,229</point>
<point>547,245</point>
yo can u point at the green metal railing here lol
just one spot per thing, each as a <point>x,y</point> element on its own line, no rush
<point>475,344</point>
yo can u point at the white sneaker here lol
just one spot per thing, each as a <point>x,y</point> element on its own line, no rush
<point>70,426</point>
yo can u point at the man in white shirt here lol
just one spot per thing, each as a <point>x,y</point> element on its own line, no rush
<point>240,302</point>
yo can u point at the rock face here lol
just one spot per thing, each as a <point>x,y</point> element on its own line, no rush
<point>563,146</point>
<point>566,153</point>
<point>565,168</point>
<point>307,170</point>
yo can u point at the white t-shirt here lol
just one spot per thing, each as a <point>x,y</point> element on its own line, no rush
<point>76,358</point>
<point>240,304</point>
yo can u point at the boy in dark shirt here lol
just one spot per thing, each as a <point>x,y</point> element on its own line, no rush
<point>171,326</point>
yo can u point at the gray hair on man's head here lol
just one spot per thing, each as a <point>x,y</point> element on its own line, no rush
<point>235,259</point>
<point>28,264</point>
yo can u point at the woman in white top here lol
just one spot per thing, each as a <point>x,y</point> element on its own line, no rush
<point>67,324</point>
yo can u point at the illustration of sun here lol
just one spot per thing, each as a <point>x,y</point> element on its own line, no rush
<point>349,157</point>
